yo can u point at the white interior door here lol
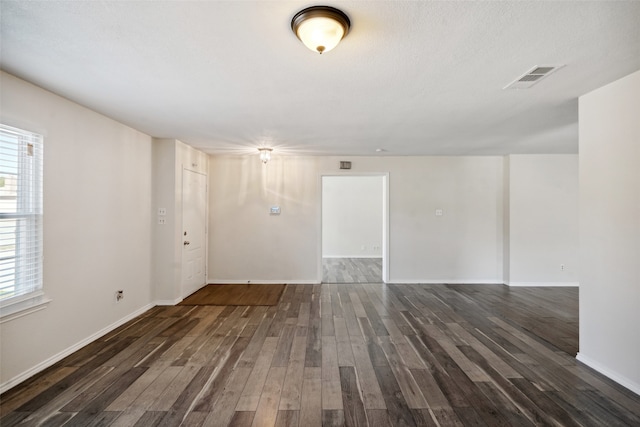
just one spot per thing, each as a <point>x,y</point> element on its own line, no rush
<point>194,230</point>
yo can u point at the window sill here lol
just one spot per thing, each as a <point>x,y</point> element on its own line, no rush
<point>22,306</point>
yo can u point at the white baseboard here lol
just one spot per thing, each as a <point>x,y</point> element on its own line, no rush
<point>66,352</point>
<point>545,284</point>
<point>263,282</point>
<point>620,379</point>
<point>167,302</point>
<point>352,256</point>
<point>443,282</point>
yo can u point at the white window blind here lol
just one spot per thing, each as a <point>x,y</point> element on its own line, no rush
<point>20,213</point>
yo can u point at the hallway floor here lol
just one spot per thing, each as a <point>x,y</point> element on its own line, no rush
<point>352,270</point>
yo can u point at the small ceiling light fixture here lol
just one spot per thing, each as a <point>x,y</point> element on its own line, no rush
<point>320,28</point>
<point>265,154</point>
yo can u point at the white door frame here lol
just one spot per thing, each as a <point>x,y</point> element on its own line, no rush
<point>385,218</point>
<point>183,292</point>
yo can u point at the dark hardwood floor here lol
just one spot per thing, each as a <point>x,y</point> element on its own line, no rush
<point>337,354</point>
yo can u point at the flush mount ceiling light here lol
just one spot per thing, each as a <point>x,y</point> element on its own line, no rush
<point>265,154</point>
<point>320,28</point>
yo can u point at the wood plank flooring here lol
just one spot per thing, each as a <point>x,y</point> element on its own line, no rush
<point>333,355</point>
<point>351,270</point>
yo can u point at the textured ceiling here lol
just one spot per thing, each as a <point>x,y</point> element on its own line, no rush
<point>411,78</point>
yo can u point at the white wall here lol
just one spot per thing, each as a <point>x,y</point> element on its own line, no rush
<point>97,226</point>
<point>543,220</point>
<point>170,157</point>
<point>610,230</point>
<point>462,245</point>
<point>352,216</point>
<point>506,261</point>
<point>246,243</point>
<point>465,243</point>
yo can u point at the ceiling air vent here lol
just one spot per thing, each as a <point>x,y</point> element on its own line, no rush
<point>532,77</point>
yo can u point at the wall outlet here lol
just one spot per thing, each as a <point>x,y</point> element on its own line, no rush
<point>376,247</point>
<point>119,295</point>
<point>162,211</point>
<point>561,267</point>
<point>162,220</point>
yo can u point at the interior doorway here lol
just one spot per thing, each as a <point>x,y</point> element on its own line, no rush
<point>194,231</point>
<point>354,228</point>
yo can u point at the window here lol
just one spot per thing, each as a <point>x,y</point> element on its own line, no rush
<point>20,219</point>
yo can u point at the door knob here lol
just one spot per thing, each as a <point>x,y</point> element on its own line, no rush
<point>186,243</point>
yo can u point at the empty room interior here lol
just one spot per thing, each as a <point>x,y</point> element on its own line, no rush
<point>402,212</point>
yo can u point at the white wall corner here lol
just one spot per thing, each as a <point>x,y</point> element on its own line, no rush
<point>506,248</point>
<point>608,230</point>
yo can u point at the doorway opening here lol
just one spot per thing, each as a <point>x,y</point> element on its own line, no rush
<point>354,228</point>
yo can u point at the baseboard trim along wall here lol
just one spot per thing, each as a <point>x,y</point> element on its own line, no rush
<point>263,282</point>
<point>443,282</point>
<point>623,381</point>
<point>544,284</point>
<point>66,352</point>
<point>168,302</point>
<point>352,256</point>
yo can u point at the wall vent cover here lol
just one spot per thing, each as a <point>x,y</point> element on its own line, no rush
<point>533,76</point>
